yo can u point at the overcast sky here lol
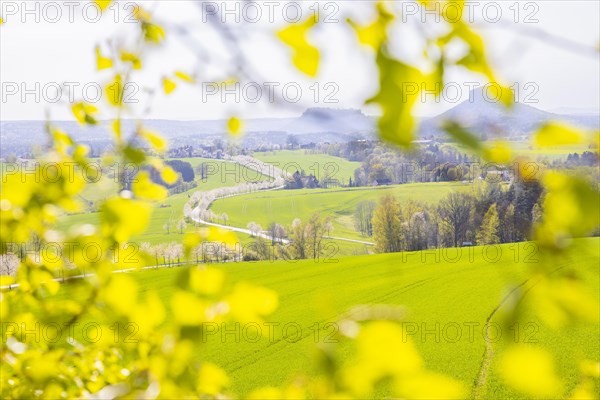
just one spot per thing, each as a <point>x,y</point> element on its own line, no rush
<point>551,74</point>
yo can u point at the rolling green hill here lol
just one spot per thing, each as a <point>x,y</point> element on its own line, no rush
<point>438,296</point>
<point>171,209</point>
<point>319,165</point>
<point>284,206</point>
<point>526,149</point>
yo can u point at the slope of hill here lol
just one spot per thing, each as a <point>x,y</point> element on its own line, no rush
<point>348,121</point>
<point>286,205</point>
<point>170,210</point>
<point>486,117</point>
<point>436,295</point>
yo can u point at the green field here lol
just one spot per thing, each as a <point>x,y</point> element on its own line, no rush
<point>526,149</point>
<point>284,206</point>
<point>320,165</point>
<point>171,209</point>
<point>433,292</point>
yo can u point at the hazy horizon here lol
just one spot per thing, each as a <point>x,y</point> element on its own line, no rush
<point>531,49</point>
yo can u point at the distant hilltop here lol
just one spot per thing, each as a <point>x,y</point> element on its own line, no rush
<point>332,120</point>
<point>485,116</point>
<point>323,112</point>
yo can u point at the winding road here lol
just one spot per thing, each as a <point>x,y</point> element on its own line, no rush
<point>195,216</point>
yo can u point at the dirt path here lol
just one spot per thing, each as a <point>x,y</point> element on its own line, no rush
<point>488,353</point>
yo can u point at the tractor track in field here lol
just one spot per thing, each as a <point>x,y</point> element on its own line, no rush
<point>275,346</point>
<point>406,288</point>
<point>488,353</point>
<point>307,332</point>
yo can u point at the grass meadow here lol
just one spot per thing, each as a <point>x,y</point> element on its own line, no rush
<point>284,206</point>
<point>170,210</point>
<point>437,294</point>
<point>319,165</point>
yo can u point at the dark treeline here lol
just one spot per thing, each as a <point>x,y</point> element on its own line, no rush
<point>459,219</point>
<point>431,162</point>
<point>585,159</point>
<point>183,169</point>
<point>381,163</point>
<point>434,163</point>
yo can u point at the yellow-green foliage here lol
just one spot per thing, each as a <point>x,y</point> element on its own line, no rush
<point>159,363</point>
